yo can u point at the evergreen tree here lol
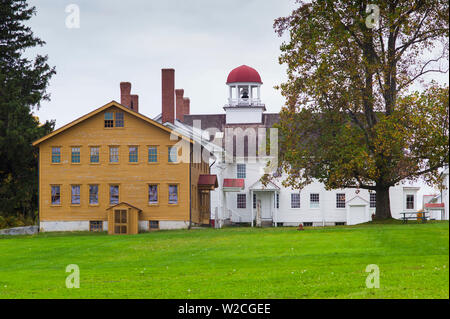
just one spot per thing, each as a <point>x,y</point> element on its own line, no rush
<point>23,84</point>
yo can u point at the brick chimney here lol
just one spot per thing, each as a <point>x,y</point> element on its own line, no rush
<point>125,93</point>
<point>127,99</point>
<point>134,102</point>
<point>187,106</point>
<point>168,96</point>
<point>180,104</point>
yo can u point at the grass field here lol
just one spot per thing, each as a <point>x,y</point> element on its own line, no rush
<point>232,263</point>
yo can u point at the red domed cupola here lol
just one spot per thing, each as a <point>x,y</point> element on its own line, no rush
<point>244,74</point>
<point>244,85</point>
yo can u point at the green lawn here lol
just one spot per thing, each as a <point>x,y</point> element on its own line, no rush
<point>232,263</point>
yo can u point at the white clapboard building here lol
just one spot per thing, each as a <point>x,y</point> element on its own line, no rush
<point>242,198</point>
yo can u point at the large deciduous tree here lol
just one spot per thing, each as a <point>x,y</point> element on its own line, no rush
<point>351,117</point>
<point>23,84</point>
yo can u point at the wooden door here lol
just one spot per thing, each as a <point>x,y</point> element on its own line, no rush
<point>120,221</point>
<point>205,213</point>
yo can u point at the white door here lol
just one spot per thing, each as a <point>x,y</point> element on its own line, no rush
<point>357,215</point>
<point>266,211</point>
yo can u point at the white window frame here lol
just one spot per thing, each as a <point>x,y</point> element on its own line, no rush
<point>240,201</point>
<point>294,201</point>
<point>313,203</point>
<point>241,170</point>
<point>340,204</point>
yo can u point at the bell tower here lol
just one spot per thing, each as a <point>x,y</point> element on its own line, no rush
<point>244,99</point>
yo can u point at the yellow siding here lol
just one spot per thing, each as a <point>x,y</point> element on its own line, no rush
<point>132,178</point>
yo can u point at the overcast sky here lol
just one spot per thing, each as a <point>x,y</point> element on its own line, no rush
<point>203,40</point>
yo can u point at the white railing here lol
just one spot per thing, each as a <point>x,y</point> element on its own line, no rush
<point>247,101</point>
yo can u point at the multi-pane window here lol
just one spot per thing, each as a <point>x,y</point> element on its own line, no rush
<point>113,154</point>
<point>75,154</point>
<point>154,224</point>
<point>93,194</point>
<point>173,194</point>
<point>295,200</point>
<point>109,119</point>
<point>95,154</point>
<point>373,200</point>
<point>119,119</point>
<point>340,200</point>
<point>153,194</point>
<point>133,154</point>
<point>56,194</point>
<point>241,171</point>
<point>75,195</point>
<point>254,200</point>
<point>114,194</point>
<point>314,200</point>
<point>241,201</point>
<point>173,154</point>
<point>56,154</point>
<point>409,201</point>
<point>152,154</point>
<point>96,225</point>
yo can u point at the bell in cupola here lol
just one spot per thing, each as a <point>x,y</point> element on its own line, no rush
<point>244,94</point>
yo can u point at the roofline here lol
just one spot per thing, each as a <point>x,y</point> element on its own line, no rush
<point>100,109</point>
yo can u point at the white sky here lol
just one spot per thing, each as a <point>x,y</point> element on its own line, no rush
<point>203,40</point>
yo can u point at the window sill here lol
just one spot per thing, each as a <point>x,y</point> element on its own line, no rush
<point>113,163</point>
<point>153,204</point>
<point>94,205</point>
<point>75,205</point>
<point>55,205</point>
<point>152,163</point>
<point>173,204</point>
<point>75,163</point>
<point>94,163</point>
<point>56,163</point>
<point>134,163</point>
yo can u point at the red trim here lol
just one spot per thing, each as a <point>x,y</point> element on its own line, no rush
<point>234,182</point>
<point>434,205</point>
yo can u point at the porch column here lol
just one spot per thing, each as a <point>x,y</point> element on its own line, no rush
<point>275,217</point>
<point>251,200</point>
<point>224,206</point>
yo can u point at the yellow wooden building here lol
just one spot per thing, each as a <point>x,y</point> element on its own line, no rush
<point>115,169</point>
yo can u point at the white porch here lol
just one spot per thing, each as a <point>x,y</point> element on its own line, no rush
<point>264,204</point>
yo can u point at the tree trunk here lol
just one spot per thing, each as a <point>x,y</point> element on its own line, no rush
<point>383,203</point>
